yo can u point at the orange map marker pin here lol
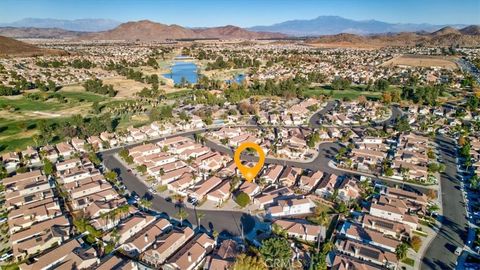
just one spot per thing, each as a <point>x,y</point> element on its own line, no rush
<point>249,173</point>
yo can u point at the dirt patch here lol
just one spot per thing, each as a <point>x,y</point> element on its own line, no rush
<point>422,61</point>
<point>125,87</point>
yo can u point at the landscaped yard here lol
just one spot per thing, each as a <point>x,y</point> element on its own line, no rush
<point>409,261</point>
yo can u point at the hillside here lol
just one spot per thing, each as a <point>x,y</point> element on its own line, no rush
<point>471,30</point>
<point>151,31</point>
<point>444,37</point>
<point>32,32</point>
<point>12,47</point>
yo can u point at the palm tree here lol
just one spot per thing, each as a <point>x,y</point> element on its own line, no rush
<point>401,251</point>
<point>105,216</point>
<point>215,234</point>
<point>178,198</point>
<point>323,218</point>
<point>432,208</point>
<point>81,224</point>
<point>145,204</point>
<point>123,210</point>
<point>200,216</point>
<point>182,215</point>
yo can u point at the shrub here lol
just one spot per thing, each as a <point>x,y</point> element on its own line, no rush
<point>243,199</point>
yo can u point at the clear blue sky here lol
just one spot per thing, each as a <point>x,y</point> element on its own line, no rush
<point>196,13</point>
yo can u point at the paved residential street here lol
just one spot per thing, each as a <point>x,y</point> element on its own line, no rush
<point>453,230</point>
<point>231,221</point>
<point>314,120</point>
<point>221,221</point>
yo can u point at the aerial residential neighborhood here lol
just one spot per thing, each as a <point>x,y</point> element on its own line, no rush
<point>235,135</point>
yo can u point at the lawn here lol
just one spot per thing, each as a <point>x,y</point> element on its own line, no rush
<point>177,94</point>
<point>24,104</point>
<point>409,261</point>
<point>17,135</point>
<point>83,96</point>
<point>9,145</point>
<point>12,127</point>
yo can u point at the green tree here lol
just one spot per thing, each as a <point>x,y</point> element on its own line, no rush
<point>182,215</point>
<point>111,176</point>
<point>245,262</point>
<point>276,252</point>
<point>145,204</point>
<point>278,230</point>
<point>142,169</point>
<point>48,167</point>
<point>200,216</point>
<point>401,251</point>
<point>242,199</point>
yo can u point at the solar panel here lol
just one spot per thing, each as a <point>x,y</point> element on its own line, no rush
<point>384,224</point>
<point>29,198</point>
<point>369,253</point>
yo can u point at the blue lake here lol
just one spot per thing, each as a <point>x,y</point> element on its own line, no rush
<point>179,70</point>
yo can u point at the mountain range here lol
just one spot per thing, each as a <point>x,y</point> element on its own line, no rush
<point>146,30</point>
<point>80,25</point>
<point>329,25</point>
<point>446,37</point>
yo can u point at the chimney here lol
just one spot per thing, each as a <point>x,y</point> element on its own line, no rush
<point>356,250</point>
<point>146,238</point>
<point>373,224</point>
<point>189,257</point>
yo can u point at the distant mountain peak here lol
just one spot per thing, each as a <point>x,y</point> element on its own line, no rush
<point>146,30</point>
<point>330,25</point>
<point>446,31</point>
<point>471,30</point>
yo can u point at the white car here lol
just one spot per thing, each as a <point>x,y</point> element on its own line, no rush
<point>5,257</point>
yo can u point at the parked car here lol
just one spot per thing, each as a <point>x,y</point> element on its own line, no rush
<point>5,257</point>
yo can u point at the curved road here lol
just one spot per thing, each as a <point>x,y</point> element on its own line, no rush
<point>232,222</point>
<point>314,120</point>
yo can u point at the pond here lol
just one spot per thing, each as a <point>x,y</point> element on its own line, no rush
<point>179,70</point>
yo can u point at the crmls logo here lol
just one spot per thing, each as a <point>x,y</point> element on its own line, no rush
<point>283,264</point>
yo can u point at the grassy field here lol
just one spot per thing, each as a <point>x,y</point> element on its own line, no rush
<point>10,145</point>
<point>17,135</point>
<point>177,94</point>
<point>83,96</point>
<point>23,104</point>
